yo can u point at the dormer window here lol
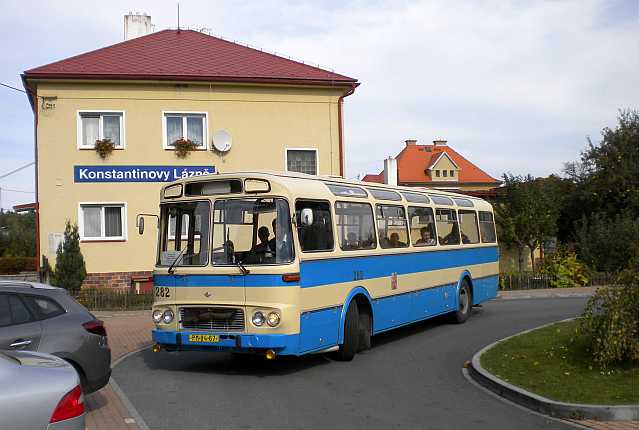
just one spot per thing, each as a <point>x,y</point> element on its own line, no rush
<point>445,172</point>
<point>452,173</point>
<point>437,173</point>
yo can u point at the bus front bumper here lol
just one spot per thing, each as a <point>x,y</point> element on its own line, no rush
<point>282,344</point>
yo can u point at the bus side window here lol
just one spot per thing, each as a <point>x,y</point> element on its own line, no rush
<point>319,235</point>
<point>422,226</point>
<point>447,226</point>
<point>391,226</point>
<point>355,226</point>
<point>487,227</point>
<point>468,226</point>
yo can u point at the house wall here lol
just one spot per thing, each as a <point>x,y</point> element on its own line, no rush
<point>262,120</point>
<point>444,163</point>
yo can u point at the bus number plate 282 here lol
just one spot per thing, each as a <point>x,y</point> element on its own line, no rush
<point>204,338</point>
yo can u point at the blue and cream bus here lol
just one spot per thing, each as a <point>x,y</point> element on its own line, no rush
<point>290,264</point>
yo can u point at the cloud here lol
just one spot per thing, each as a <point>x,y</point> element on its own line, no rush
<point>513,85</point>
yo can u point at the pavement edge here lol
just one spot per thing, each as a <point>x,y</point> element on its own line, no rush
<point>125,400</point>
<point>542,404</point>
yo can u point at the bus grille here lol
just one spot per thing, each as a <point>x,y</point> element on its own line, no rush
<point>210,318</point>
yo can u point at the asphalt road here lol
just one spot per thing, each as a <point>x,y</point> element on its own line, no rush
<point>410,379</point>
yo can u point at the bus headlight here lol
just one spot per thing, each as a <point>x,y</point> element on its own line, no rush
<point>258,319</point>
<point>167,316</point>
<point>157,316</point>
<point>273,319</point>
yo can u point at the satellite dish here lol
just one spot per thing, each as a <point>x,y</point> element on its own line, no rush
<point>222,141</point>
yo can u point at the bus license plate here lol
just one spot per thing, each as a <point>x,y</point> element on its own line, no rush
<point>204,338</point>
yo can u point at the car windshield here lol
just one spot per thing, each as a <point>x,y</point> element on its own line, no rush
<point>190,246</point>
<point>252,232</point>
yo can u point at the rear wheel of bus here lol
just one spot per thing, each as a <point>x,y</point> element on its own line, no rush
<point>464,303</point>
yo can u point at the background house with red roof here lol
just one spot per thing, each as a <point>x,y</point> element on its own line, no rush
<point>436,166</point>
<point>244,109</point>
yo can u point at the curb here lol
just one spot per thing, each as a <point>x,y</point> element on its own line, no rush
<point>541,404</point>
<point>142,425</point>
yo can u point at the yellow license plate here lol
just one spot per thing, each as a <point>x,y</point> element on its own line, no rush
<point>204,338</point>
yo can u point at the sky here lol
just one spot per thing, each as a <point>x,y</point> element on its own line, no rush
<point>515,86</point>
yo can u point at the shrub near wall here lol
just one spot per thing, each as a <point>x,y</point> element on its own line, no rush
<point>13,265</point>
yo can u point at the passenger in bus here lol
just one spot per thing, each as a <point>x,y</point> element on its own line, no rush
<point>451,238</point>
<point>426,237</point>
<point>262,250</point>
<point>271,243</point>
<point>394,241</point>
<point>351,241</point>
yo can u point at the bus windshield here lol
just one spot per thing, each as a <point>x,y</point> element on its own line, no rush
<point>252,232</point>
<point>190,246</point>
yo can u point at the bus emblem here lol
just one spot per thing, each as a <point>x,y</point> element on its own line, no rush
<point>207,294</point>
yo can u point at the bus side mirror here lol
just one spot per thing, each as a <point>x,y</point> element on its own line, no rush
<point>141,225</point>
<point>306,217</point>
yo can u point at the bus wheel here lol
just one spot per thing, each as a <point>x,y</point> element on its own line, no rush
<point>365,330</point>
<point>465,303</point>
<point>350,346</point>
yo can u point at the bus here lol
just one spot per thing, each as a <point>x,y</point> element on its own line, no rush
<point>290,264</point>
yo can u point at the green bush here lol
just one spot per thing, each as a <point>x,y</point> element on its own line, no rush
<point>13,265</point>
<point>70,269</point>
<point>609,244</point>
<point>565,270</point>
<point>610,323</point>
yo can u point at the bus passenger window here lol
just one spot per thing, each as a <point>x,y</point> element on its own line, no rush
<point>422,226</point>
<point>487,227</point>
<point>319,235</point>
<point>468,226</point>
<point>391,226</point>
<point>355,229</point>
<point>447,226</point>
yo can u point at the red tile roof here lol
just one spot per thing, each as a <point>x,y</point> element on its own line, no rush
<point>187,55</point>
<point>413,161</point>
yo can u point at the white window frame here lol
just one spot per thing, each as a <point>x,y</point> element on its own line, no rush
<point>102,237</point>
<point>205,128</point>
<point>80,141</point>
<point>317,170</point>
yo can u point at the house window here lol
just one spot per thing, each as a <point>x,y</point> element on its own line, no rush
<point>452,173</point>
<point>445,173</point>
<point>94,125</point>
<point>185,125</point>
<point>102,221</point>
<point>437,173</point>
<point>302,161</point>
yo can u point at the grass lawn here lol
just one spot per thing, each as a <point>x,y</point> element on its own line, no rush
<point>553,362</point>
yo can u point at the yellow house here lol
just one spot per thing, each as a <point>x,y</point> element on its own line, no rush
<point>230,107</point>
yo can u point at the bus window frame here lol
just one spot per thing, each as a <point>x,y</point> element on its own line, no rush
<point>333,224</point>
<point>175,236</point>
<point>436,237</point>
<point>453,210</point>
<point>406,227</point>
<point>459,211</point>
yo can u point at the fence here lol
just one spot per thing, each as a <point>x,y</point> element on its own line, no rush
<point>113,299</point>
<point>534,280</point>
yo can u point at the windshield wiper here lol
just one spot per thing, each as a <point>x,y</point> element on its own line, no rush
<point>243,269</point>
<point>178,258</point>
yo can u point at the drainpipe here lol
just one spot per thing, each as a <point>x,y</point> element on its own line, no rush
<point>340,126</point>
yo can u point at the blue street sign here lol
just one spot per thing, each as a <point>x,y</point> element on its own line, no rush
<point>137,173</point>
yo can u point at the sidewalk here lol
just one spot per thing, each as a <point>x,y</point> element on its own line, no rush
<point>129,331</point>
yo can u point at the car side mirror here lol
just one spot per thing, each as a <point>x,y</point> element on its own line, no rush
<point>306,217</point>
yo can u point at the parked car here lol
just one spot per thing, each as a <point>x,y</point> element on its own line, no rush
<point>41,391</point>
<point>42,318</point>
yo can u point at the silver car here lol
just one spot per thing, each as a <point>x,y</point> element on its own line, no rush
<point>38,317</point>
<point>41,391</point>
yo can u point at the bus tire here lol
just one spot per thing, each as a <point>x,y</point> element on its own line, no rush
<point>465,303</point>
<point>365,330</point>
<point>350,346</point>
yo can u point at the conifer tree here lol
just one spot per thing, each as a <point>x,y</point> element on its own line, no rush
<point>70,269</point>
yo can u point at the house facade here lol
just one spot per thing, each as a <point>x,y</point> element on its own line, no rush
<point>239,108</point>
<point>435,166</point>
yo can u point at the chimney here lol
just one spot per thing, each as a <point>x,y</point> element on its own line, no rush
<point>136,25</point>
<point>411,142</point>
<point>390,171</point>
<point>438,143</point>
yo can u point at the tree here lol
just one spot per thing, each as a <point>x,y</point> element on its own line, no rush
<point>70,269</point>
<point>17,234</point>
<point>527,212</point>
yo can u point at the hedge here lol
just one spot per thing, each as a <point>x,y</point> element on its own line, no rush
<point>13,265</point>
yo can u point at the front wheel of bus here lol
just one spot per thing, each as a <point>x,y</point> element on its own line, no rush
<point>464,303</point>
<point>350,346</point>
